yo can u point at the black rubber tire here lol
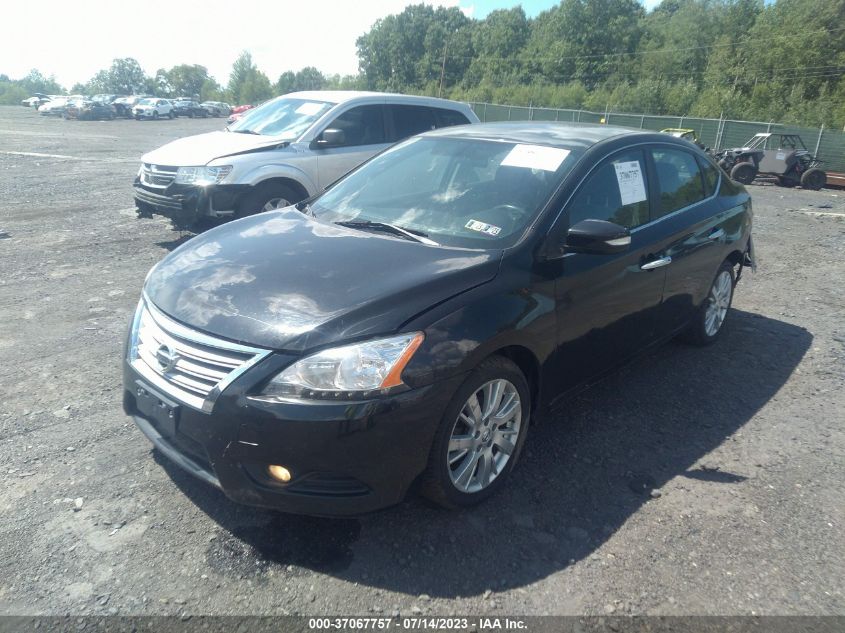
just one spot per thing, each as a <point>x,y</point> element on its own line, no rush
<point>170,115</point>
<point>435,483</point>
<point>744,173</point>
<point>813,179</point>
<point>696,334</point>
<point>254,202</point>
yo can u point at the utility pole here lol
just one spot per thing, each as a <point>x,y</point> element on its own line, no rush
<point>443,68</point>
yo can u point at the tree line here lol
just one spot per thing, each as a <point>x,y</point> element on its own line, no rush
<point>738,59</point>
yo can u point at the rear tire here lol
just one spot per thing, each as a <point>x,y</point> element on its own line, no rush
<point>709,320</point>
<point>813,179</point>
<point>744,173</point>
<point>458,477</point>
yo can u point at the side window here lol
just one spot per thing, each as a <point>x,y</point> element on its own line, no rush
<point>616,192</point>
<point>678,179</point>
<point>410,119</point>
<point>448,118</point>
<point>363,125</point>
<point>711,176</point>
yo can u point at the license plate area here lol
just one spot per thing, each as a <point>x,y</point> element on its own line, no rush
<point>161,411</point>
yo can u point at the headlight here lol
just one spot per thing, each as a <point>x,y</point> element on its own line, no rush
<point>202,175</point>
<point>348,371</point>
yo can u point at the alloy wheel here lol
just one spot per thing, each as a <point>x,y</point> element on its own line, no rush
<point>275,203</point>
<point>718,302</point>
<point>484,436</point>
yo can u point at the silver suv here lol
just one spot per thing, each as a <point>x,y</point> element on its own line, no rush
<point>282,152</point>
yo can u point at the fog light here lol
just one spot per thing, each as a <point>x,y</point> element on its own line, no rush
<point>279,473</point>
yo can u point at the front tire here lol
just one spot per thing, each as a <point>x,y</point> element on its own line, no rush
<point>710,317</point>
<point>480,436</point>
<point>155,115</point>
<point>267,198</point>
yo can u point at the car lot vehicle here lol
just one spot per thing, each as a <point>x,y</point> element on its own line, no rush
<point>188,108</point>
<point>238,112</point>
<point>153,108</point>
<point>284,151</point>
<point>57,105</point>
<point>408,324</point>
<point>779,156</point>
<point>89,111</point>
<point>37,100</point>
<point>216,108</point>
<point>123,105</point>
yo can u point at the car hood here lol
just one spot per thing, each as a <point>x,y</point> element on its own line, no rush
<point>285,281</point>
<point>204,148</point>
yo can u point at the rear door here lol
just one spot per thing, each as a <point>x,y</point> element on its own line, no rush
<point>691,219</point>
<point>364,136</point>
<point>606,304</point>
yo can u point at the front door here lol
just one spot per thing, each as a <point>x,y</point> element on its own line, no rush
<point>364,136</point>
<point>606,304</point>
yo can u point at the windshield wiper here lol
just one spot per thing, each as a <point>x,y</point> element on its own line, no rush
<point>245,132</point>
<point>408,234</point>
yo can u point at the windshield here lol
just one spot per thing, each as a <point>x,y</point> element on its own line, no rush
<point>283,117</point>
<point>458,192</point>
<point>145,102</point>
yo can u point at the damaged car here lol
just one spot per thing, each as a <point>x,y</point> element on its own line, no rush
<point>402,330</point>
<point>286,150</point>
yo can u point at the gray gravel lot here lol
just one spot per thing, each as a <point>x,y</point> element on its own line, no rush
<point>742,441</point>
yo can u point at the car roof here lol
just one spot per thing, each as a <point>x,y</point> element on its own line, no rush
<point>343,96</point>
<point>566,135</point>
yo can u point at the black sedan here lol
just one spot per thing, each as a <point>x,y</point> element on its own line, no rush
<point>409,323</point>
<point>189,109</point>
<point>89,111</point>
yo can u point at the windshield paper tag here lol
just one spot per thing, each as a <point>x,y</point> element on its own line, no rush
<point>630,179</point>
<point>536,157</point>
<point>309,109</point>
<point>481,227</point>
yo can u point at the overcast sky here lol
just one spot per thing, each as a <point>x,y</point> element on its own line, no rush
<point>74,39</point>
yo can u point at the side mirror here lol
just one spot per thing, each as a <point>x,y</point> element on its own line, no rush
<point>331,138</point>
<point>597,237</point>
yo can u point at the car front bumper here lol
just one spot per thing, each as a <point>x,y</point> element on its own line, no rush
<point>346,458</point>
<point>186,204</point>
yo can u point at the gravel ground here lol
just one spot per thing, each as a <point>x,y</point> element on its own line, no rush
<point>693,482</point>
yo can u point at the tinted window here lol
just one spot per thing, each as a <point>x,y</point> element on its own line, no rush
<point>363,125</point>
<point>448,118</point>
<point>409,120</point>
<point>678,179</point>
<point>616,192</point>
<point>711,175</point>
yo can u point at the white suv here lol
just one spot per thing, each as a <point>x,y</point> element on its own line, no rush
<point>153,108</point>
<point>284,151</point>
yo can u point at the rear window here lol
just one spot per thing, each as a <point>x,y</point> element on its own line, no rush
<point>448,118</point>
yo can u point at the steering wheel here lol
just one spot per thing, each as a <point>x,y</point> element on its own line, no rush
<point>506,219</point>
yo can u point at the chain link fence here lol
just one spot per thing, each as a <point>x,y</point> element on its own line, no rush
<point>827,145</point>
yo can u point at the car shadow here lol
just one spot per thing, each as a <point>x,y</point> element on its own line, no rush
<point>581,477</point>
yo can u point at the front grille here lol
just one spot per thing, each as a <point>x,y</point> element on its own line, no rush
<point>159,176</point>
<point>190,366</point>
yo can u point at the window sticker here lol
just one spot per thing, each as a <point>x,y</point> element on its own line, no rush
<point>536,157</point>
<point>630,179</point>
<point>310,108</point>
<point>482,227</point>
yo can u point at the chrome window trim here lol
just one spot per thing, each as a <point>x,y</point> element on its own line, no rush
<point>205,405</point>
<point>646,145</point>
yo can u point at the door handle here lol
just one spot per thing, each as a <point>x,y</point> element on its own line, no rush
<point>716,235</point>
<point>656,263</point>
